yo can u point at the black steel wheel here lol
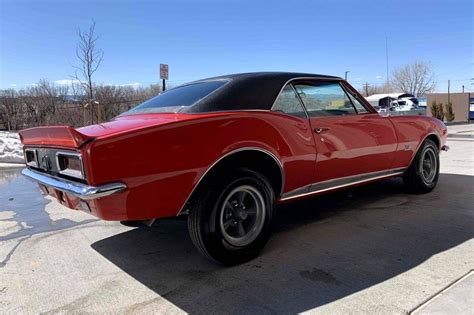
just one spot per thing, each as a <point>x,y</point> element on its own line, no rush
<point>230,221</point>
<point>422,175</point>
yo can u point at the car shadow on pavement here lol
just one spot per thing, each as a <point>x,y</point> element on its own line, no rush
<point>323,249</point>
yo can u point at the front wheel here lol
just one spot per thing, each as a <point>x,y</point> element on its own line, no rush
<point>231,220</point>
<point>422,175</point>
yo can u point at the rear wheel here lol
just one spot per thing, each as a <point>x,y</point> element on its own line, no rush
<point>422,175</point>
<point>231,219</point>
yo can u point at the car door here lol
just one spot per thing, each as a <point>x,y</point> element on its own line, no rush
<point>300,165</point>
<point>350,138</point>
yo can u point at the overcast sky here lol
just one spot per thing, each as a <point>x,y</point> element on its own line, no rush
<point>206,38</point>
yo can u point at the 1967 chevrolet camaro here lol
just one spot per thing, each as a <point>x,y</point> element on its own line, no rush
<point>225,150</point>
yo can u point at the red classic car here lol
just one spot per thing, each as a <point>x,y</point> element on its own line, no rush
<point>225,150</point>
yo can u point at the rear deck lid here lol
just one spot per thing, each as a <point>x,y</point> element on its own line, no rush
<point>63,136</point>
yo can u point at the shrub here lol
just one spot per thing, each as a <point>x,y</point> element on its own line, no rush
<point>437,110</point>
<point>448,112</point>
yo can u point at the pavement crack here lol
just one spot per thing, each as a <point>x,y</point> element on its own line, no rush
<point>4,262</point>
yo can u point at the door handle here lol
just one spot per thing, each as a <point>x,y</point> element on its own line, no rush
<point>319,130</point>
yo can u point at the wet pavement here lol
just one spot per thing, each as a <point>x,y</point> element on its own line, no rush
<point>22,208</point>
<point>364,250</point>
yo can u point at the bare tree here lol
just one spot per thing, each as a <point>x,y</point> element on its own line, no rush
<point>416,78</point>
<point>115,99</point>
<point>9,109</point>
<point>48,98</point>
<point>110,97</point>
<point>46,103</point>
<point>90,57</point>
<point>368,89</point>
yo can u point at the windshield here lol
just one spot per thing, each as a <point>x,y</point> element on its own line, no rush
<point>174,100</point>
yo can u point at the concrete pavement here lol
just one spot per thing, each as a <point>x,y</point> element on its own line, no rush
<point>455,299</point>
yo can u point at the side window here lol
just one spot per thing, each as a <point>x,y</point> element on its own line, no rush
<point>357,104</point>
<point>325,99</point>
<point>288,102</point>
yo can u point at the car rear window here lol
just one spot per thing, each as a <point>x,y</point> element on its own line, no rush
<point>174,100</point>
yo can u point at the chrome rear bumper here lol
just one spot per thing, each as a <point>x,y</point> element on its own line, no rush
<point>79,190</point>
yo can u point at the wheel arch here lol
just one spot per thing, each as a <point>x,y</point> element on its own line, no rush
<point>432,136</point>
<point>255,158</point>
<point>435,138</point>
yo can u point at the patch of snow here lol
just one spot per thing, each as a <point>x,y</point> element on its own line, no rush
<point>11,150</point>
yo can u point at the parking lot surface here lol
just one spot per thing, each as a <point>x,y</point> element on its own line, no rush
<point>368,249</point>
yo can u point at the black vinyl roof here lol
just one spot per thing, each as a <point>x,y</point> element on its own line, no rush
<point>246,91</point>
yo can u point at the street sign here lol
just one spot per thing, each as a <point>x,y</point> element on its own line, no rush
<point>163,71</point>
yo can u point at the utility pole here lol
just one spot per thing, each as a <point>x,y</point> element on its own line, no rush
<point>366,88</point>
<point>449,85</point>
<point>386,59</point>
<point>463,88</point>
<point>164,85</point>
<point>345,75</point>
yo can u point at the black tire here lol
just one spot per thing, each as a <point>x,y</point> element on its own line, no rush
<point>208,219</point>
<point>417,178</point>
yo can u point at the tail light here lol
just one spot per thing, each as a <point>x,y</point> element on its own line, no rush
<point>31,157</point>
<point>70,164</point>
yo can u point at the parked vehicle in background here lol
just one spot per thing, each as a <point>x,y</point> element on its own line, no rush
<point>471,108</point>
<point>422,102</point>
<point>225,150</point>
<point>393,101</point>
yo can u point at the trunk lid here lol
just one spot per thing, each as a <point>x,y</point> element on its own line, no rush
<point>65,136</point>
<point>128,123</point>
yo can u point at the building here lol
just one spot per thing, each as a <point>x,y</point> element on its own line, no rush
<point>460,103</point>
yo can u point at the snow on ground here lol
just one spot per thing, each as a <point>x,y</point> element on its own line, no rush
<point>10,148</point>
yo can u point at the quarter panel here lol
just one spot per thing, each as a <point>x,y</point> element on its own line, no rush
<point>411,132</point>
<point>162,165</point>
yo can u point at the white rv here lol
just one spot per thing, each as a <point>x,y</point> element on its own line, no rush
<point>393,101</point>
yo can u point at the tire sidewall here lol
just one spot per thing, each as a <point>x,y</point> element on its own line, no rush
<point>419,164</point>
<point>215,243</point>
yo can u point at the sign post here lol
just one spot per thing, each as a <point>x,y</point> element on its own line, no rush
<point>164,74</point>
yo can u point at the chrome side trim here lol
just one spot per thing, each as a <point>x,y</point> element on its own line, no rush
<point>79,190</point>
<point>301,191</point>
<point>340,183</point>
<point>228,154</point>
